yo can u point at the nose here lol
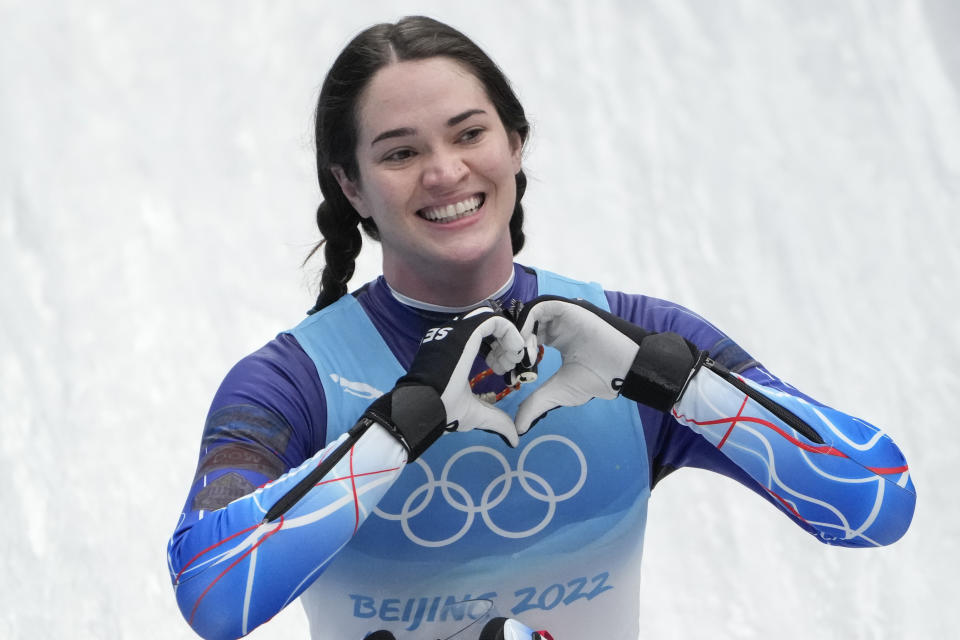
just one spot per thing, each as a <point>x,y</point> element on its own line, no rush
<point>444,169</point>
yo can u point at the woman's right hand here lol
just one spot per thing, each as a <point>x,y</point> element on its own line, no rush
<point>435,393</point>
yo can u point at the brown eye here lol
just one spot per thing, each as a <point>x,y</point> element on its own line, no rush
<point>398,155</point>
<point>471,135</point>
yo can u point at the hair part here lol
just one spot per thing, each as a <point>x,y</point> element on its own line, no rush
<point>336,131</point>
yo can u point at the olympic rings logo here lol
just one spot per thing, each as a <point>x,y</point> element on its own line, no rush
<point>456,496</point>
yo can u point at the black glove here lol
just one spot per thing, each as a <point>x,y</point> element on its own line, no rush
<point>435,393</point>
<point>603,356</point>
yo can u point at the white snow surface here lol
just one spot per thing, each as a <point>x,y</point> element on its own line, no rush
<point>790,170</point>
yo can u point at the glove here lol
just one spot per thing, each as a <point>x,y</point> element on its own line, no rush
<point>510,629</point>
<point>435,393</point>
<point>604,356</point>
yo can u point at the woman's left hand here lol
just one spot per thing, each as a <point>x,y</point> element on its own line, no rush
<point>604,356</point>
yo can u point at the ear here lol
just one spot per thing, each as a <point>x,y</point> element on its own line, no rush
<point>350,188</point>
<point>516,150</point>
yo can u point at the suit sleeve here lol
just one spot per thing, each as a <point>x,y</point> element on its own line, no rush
<point>837,476</point>
<point>231,568</point>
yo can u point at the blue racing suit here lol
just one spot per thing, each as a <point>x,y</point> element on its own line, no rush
<point>551,531</point>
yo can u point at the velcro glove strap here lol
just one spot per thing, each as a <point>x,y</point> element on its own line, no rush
<point>413,413</point>
<point>660,370</point>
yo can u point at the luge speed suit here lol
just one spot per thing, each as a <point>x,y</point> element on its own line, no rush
<point>551,530</point>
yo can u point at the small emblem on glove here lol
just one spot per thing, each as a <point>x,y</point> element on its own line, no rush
<point>437,333</point>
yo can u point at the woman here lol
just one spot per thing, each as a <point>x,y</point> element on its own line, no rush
<point>381,523</point>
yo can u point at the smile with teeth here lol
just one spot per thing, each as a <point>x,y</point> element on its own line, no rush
<point>451,212</point>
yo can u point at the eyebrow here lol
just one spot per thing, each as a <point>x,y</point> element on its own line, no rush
<point>409,131</point>
<point>394,133</point>
<point>455,120</point>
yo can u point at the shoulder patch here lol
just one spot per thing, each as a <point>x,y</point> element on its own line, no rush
<point>222,492</point>
<point>238,455</point>
<point>247,422</point>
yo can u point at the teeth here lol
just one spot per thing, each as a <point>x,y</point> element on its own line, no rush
<point>451,212</point>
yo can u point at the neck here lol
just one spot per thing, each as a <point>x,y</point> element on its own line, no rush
<point>450,285</point>
<point>437,308</point>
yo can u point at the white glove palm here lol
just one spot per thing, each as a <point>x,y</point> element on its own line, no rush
<point>595,358</point>
<point>604,356</point>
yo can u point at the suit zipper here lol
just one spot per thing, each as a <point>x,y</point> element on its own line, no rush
<point>787,416</point>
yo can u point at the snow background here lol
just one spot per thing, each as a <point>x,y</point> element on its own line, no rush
<point>789,170</point>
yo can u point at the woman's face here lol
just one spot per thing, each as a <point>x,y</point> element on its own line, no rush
<point>436,172</point>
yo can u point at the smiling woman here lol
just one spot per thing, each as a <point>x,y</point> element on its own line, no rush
<point>326,466</point>
<point>376,60</point>
<point>436,173</point>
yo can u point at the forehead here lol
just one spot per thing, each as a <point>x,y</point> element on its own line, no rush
<point>418,93</point>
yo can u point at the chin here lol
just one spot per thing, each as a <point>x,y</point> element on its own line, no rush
<point>466,254</point>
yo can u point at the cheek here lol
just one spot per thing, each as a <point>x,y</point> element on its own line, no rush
<point>501,167</point>
<point>385,198</point>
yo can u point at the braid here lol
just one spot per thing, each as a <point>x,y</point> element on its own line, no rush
<point>517,237</point>
<point>341,246</point>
